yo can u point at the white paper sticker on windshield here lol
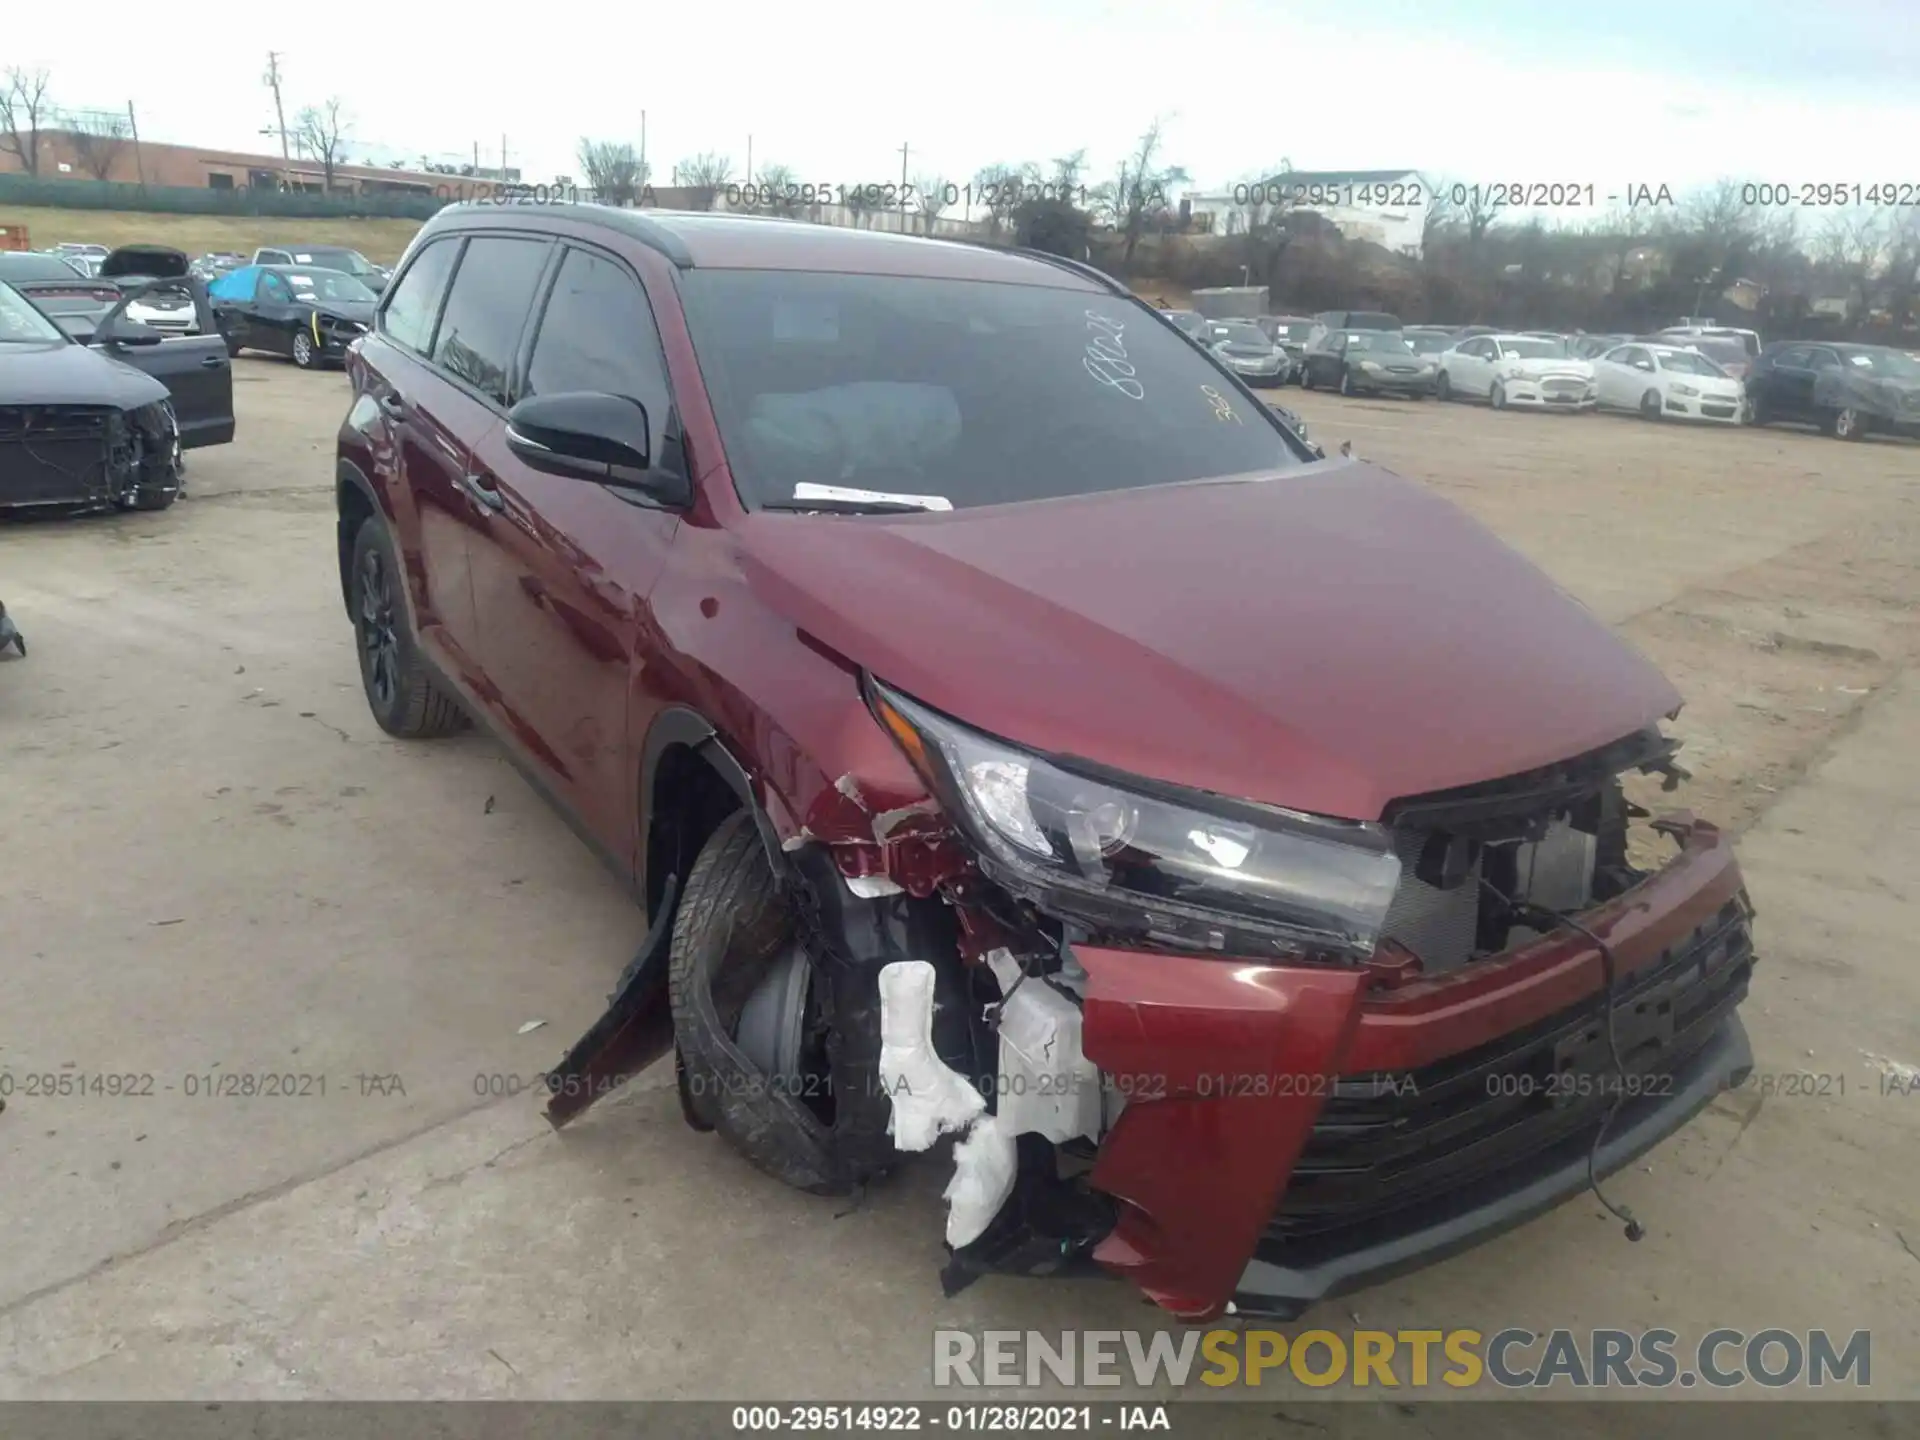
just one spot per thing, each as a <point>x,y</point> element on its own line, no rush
<point>1865,362</point>
<point>300,279</point>
<point>808,490</point>
<point>304,259</point>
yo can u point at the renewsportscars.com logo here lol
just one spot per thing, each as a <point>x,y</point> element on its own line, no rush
<point>1387,1359</point>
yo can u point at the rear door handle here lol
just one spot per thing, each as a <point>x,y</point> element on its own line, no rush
<point>213,362</point>
<point>484,494</point>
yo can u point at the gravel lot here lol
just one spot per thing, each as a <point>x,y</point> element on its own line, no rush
<point>215,861</point>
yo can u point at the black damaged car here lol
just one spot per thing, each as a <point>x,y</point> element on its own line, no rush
<point>307,313</point>
<point>1849,391</point>
<point>101,424</point>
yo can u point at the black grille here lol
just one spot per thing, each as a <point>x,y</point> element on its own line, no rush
<point>1390,1141</point>
<point>54,454</point>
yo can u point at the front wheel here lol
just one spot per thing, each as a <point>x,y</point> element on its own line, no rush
<point>1497,396</point>
<point>1650,406</point>
<point>1346,381</point>
<point>1848,424</point>
<point>304,355</point>
<point>1306,377</point>
<point>405,699</point>
<point>1443,387</point>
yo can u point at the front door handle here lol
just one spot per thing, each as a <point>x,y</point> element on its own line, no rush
<point>482,493</point>
<point>213,362</point>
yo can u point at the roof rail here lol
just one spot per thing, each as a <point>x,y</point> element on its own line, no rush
<point>648,232</point>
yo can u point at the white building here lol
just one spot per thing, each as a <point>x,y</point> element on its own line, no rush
<point>1387,207</point>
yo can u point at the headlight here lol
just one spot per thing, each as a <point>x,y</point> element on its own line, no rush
<point>1682,388</point>
<point>1369,364</point>
<point>1134,856</point>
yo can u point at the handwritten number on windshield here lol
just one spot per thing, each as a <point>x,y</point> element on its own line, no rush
<point>1222,407</point>
<point>1106,357</point>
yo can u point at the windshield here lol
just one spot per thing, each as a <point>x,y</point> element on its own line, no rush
<point>1428,344</point>
<point>976,392</point>
<point>1883,364</point>
<point>18,267</point>
<point>1726,352</point>
<point>1389,340</point>
<point>327,285</point>
<point>1246,336</point>
<point>1532,349</point>
<point>1689,364</point>
<point>20,323</point>
<point>350,261</point>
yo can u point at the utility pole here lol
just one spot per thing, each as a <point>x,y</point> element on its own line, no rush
<point>903,189</point>
<point>272,80</point>
<point>139,165</point>
<point>644,177</point>
<point>503,155</point>
<point>749,179</point>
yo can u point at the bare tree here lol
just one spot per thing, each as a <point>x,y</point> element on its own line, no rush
<point>998,189</point>
<point>321,131</point>
<point>930,193</point>
<point>1139,195</point>
<point>1480,207</point>
<point>1901,278</point>
<point>24,107</point>
<point>98,141</point>
<point>1850,246</point>
<point>777,191</point>
<point>860,203</point>
<point>614,170</point>
<point>1716,235</point>
<point>706,174</point>
<point>1440,216</point>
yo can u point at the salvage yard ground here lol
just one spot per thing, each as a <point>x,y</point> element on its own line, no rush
<point>215,862</point>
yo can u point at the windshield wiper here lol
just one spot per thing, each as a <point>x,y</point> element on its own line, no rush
<point>839,506</point>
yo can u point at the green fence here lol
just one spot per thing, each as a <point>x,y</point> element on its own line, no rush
<point>181,200</point>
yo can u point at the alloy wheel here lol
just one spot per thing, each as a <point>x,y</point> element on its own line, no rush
<point>379,643</point>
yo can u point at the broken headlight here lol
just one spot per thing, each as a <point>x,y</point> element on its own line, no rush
<point>1135,856</point>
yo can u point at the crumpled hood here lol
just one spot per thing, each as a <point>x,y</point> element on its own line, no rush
<point>56,374</point>
<point>360,310</point>
<point>1326,639</point>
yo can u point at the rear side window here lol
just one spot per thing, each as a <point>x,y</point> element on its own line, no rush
<point>415,301</point>
<point>598,334</point>
<point>487,309</point>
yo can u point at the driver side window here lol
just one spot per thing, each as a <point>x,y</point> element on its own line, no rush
<point>272,287</point>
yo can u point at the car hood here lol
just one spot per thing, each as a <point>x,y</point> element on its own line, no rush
<point>54,374</point>
<point>1539,369</point>
<point>1327,639</point>
<point>1724,385</point>
<point>360,310</point>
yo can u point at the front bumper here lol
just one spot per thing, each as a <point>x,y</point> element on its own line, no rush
<point>1398,384</point>
<point>86,457</point>
<point>1544,395</point>
<point>1707,407</point>
<point>1244,1172</point>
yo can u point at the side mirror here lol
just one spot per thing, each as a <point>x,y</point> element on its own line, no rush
<point>121,331</point>
<point>585,435</point>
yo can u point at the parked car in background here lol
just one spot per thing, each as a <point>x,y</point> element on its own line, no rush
<point>1591,347</point>
<point>309,314</point>
<point>80,250</point>
<point>212,266</point>
<point>1192,322</point>
<point>1231,755</point>
<point>1377,362</point>
<point>1328,322</point>
<point>1243,347</point>
<point>327,257</point>
<point>101,425</point>
<point>1667,382</point>
<point>58,289</point>
<point>1467,332</point>
<point>1289,332</point>
<point>1516,370</point>
<point>1729,353</point>
<point>1748,340</point>
<point>166,308</point>
<point>1427,340</point>
<point>1849,391</point>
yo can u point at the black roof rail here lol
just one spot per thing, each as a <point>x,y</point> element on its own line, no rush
<point>647,232</point>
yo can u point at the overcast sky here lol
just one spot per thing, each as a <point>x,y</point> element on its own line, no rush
<point>1608,92</point>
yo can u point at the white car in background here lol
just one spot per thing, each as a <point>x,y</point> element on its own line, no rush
<point>1526,370</point>
<point>1669,382</point>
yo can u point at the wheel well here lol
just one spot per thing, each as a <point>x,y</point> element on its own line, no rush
<point>354,508</point>
<point>690,798</point>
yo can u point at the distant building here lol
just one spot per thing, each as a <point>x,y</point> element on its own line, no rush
<point>1386,207</point>
<point>68,155</point>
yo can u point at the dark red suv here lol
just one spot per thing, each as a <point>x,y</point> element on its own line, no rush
<point>1016,733</point>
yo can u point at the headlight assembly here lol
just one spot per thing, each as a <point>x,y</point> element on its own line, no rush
<point>1682,388</point>
<point>1134,856</point>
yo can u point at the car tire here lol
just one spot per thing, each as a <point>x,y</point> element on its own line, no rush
<point>1346,381</point>
<point>233,346</point>
<point>304,355</point>
<point>406,701</point>
<point>1848,424</point>
<point>733,919</point>
<point>1442,387</point>
<point>1306,378</point>
<point>1497,395</point>
<point>1651,406</point>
